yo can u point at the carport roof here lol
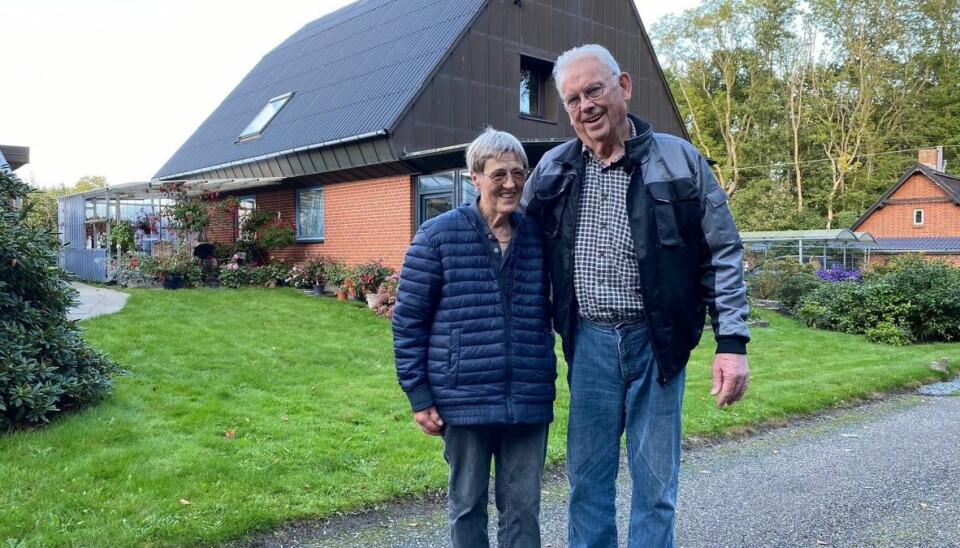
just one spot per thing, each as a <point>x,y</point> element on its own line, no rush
<point>151,189</point>
<point>828,235</point>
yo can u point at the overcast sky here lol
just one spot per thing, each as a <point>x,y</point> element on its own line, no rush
<point>114,87</point>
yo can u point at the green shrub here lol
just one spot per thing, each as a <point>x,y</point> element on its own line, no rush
<point>234,275</point>
<point>908,300</point>
<point>130,270</point>
<point>123,234</point>
<point>888,333</point>
<point>45,365</point>
<point>785,280</point>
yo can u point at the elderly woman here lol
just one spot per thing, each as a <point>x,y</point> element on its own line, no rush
<point>474,348</point>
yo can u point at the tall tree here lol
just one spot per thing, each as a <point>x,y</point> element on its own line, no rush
<point>723,58</point>
<point>861,86</point>
<point>90,182</point>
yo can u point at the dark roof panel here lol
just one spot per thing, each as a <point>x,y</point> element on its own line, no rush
<point>950,183</point>
<point>931,244</point>
<point>352,72</point>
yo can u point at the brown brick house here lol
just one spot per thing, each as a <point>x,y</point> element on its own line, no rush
<point>920,213</point>
<point>354,128</point>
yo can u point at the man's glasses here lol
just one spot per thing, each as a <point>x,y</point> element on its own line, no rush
<point>500,177</point>
<point>593,92</point>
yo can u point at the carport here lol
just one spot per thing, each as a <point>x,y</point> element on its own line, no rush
<point>846,248</point>
<point>85,219</point>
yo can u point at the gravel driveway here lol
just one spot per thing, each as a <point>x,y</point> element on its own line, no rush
<point>884,474</point>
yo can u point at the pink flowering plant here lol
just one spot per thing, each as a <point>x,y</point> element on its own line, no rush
<point>369,275</point>
<point>130,270</point>
<point>299,276</point>
<point>233,274</point>
<point>387,297</point>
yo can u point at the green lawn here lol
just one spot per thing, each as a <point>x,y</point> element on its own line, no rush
<point>247,408</point>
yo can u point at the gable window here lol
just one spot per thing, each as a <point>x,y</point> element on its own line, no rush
<point>534,82</point>
<point>263,118</point>
<point>310,214</point>
<point>917,217</point>
<point>440,192</point>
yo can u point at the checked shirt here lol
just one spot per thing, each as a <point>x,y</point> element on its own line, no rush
<point>605,273</point>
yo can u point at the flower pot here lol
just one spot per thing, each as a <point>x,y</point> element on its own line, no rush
<point>317,289</point>
<point>371,300</point>
<point>271,284</point>
<point>173,281</point>
<point>341,295</point>
<point>213,284</point>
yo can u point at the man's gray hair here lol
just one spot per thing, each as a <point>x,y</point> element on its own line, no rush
<point>587,50</point>
<point>493,144</point>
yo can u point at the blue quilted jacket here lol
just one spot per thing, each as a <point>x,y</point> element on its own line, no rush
<point>458,343</point>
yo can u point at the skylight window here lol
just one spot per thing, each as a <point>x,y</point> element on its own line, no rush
<point>265,115</point>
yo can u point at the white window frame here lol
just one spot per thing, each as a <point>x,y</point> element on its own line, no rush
<point>265,116</point>
<point>918,217</point>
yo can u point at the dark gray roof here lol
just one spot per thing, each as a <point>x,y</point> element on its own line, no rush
<point>931,244</point>
<point>353,72</point>
<point>949,183</point>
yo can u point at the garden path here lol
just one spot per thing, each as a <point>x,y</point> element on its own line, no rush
<point>94,301</point>
<point>883,474</point>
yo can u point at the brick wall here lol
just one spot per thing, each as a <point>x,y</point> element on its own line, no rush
<point>364,220</point>
<point>896,220</point>
<point>930,157</point>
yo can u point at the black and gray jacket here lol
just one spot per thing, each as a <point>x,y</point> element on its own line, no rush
<point>687,245</point>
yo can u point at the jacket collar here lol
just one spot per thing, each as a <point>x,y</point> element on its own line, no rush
<point>636,148</point>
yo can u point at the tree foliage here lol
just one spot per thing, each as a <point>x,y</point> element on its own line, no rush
<point>45,365</point>
<point>812,109</point>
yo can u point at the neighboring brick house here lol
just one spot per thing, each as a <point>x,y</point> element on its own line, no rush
<point>918,214</point>
<point>354,128</point>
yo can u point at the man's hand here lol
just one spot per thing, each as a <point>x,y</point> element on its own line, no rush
<point>731,375</point>
<point>429,420</point>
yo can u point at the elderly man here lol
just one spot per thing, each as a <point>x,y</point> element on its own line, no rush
<point>474,349</point>
<point>639,244</point>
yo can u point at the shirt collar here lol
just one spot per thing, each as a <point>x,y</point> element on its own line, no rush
<point>591,155</point>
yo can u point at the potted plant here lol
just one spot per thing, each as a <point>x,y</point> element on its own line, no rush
<point>336,273</point>
<point>369,276</point>
<point>122,236</point>
<point>316,269</point>
<point>300,276</point>
<point>210,272</point>
<point>170,269</point>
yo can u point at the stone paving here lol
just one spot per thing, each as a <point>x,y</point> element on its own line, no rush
<point>94,301</point>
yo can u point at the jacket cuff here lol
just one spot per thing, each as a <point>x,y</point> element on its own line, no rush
<point>732,345</point>
<point>420,397</point>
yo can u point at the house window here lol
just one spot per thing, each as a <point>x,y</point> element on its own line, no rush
<point>917,217</point>
<point>534,80</point>
<point>263,118</point>
<point>310,214</point>
<point>245,207</point>
<point>440,192</point>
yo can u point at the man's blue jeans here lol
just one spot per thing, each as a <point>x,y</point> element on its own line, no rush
<point>613,388</point>
<point>518,451</point>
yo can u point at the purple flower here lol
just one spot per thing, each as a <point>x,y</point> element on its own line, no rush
<point>839,274</point>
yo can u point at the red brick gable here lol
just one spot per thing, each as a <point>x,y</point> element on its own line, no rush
<point>892,216</point>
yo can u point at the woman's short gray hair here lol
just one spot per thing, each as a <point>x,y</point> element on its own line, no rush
<point>587,50</point>
<point>493,144</point>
